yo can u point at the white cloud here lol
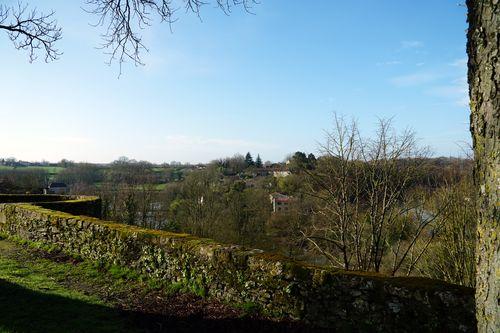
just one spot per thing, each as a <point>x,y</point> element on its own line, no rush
<point>456,91</point>
<point>461,63</point>
<point>413,79</point>
<point>389,63</point>
<point>411,44</point>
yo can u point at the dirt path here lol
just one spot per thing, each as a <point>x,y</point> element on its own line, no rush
<point>114,299</point>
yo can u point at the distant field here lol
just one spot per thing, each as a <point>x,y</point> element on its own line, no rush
<point>53,171</point>
<point>50,169</point>
<point>157,187</point>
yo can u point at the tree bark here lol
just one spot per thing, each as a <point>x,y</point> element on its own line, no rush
<point>484,79</point>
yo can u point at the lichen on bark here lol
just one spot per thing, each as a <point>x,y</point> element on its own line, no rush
<point>483,48</point>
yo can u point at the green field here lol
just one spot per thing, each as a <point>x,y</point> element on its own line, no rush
<point>52,170</point>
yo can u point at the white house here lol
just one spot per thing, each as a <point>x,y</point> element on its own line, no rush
<point>281,202</point>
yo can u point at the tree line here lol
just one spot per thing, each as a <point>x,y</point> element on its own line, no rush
<point>377,204</point>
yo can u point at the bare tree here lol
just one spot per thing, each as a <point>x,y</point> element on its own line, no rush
<point>392,162</point>
<point>31,30</point>
<point>451,257</point>
<point>367,213</point>
<point>200,202</point>
<point>336,184</point>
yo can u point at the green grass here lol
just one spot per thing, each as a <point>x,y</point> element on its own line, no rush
<point>160,187</point>
<point>33,297</point>
<point>52,170</point>
<point>157,187</point>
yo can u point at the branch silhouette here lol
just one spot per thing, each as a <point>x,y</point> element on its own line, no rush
<point>31,30</point>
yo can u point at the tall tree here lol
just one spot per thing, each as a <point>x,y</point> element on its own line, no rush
<point>311,161</point>
<point>31,31</point>
<point>298,162</point>
<point>367,206</point>
<point>258,161</point>
<point>249,160</point>
<point>484,81</point>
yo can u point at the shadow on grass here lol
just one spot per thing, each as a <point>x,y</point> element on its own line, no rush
<point>25,310</point>
<point>156,323</point>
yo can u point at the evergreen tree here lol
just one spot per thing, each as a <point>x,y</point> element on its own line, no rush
<point>258,162</point>
<point>311,161</point>
<point>249,160</point>
<point>298,162</point>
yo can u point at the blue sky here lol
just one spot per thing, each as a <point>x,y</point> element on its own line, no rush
<point>266,83</point>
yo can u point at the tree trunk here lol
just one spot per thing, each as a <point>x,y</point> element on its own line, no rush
<point>484,79</point>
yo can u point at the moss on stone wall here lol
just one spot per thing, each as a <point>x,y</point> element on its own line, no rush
<point>347,301</point>
<point>72,204</point>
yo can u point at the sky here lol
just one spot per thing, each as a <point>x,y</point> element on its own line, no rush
<point>267,82</point>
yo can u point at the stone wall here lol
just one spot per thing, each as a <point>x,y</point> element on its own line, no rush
<point>34,198</point>
<point>72,204</point>
<point>346,301</point>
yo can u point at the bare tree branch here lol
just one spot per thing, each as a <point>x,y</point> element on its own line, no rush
<point>124,19</point>
<point>366,203</point>
<point>31,30</point>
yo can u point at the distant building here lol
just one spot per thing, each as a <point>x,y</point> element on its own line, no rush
<point>281,202</point>
<point>56,188</point>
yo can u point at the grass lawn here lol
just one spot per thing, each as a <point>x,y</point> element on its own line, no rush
<point>48,291</point>
<point>32,299</point>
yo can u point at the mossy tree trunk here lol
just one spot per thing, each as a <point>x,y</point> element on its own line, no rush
<point>484,80</point>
